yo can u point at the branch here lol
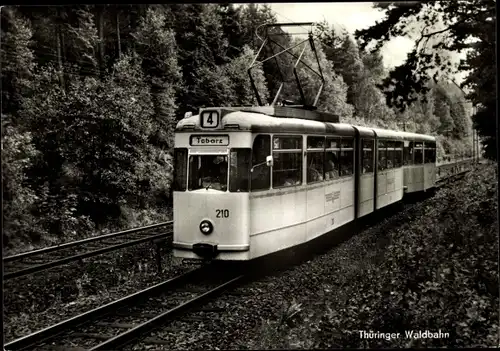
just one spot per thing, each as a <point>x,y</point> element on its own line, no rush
<point>452,26</point>
<point>429,35</point>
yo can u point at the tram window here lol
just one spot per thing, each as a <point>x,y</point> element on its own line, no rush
<point>367,156</point>
<point>287,159</point>
<point>180,169</point>
<point>407,153</point>
<point>208,171</point>
<point>346,156</point>
<point>261,175</point>
<point>315,143</point>
<point>398,154</point>
<point>287,143</point>
<point>315,159</point>
<point>382,156</point>
<point>430,153</point>
<point>390,154</point>
<point>418,153</point>
<point>239,161</point>
<point>332,164</point>
<point>427,153</point>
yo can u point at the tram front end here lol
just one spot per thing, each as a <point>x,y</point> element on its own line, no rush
<point>210,196</point>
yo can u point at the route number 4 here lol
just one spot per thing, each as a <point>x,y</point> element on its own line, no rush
<point>209,119</point>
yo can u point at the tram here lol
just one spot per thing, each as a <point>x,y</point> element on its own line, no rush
<point>252,181</point>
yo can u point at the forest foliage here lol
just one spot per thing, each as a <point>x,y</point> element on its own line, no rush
<point>91,95</point>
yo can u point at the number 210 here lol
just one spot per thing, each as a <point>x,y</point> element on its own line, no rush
<point>222,213</point>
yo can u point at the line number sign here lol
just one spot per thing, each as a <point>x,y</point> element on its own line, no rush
<point>210,119</point>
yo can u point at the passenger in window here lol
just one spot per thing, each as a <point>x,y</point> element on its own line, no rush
<point>382,163</point>
<point>291,180</point>
<point>366,166</point>
<point>346,169</point>
<point>314,175</point>
<point>218,174</point>
<point>331,172</point>
<point>389,164</point>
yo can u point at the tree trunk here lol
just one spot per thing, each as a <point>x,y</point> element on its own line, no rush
<point>59,52</point>
<point>118,34</point>
<point>101,39</point>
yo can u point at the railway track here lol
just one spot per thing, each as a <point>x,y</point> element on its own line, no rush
<point>113,325</point>
<point>40,260</point>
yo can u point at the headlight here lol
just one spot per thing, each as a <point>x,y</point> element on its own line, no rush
<point>206,227</point>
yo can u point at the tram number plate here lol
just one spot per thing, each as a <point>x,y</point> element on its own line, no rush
<point>222,213</point>
<point>333,220</point>
<point>210,119</point>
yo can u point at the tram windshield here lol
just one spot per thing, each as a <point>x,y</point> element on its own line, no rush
<point>208,171</point>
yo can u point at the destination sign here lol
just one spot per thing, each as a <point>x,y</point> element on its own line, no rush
<point>210,140</point>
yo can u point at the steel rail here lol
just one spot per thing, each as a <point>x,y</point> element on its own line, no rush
<point>132,334</point>
<point>83,241</point>
<point>62,261</point>
<point>61,327</point>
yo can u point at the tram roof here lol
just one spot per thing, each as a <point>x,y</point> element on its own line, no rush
<point>387,133</point>
<point>365,131</point>
<point>417,137</point>
<point>262,123</point>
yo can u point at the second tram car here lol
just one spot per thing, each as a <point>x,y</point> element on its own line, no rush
<point>248,183</point>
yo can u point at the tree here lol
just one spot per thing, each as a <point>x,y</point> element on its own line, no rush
<point>442,111</point>
<point>253,16</point>
<point>453,26</point>
<point>343,52</point>
<point>157,46</point>
<point>276,71</point>
<point>17,60</point>
<point>232,28</point>
<point>18,150</point>
<point>239,82</point>
<point>18,199</point>
<point>92,141</point>
<point>81,41</point>
<point>333,97</point>
<point>201,49</point>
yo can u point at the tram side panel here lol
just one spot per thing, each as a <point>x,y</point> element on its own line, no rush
<point>429,175</point>
<point>429,165</point>
<point>366,185</point>
<point>346,207</point>
<point>389,187</point>
<point>366,182</point>
<point>316,213</point>
<point>277,220</point>
<point>381,189</point>
<point>398,189</point>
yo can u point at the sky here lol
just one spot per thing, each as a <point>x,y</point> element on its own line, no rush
<point>351,16</point>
